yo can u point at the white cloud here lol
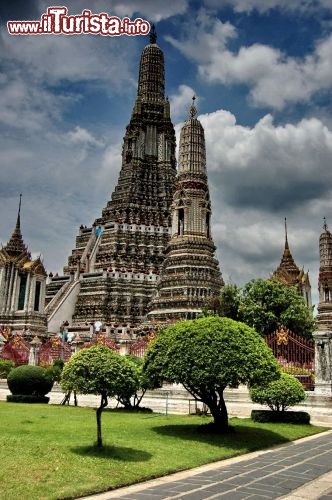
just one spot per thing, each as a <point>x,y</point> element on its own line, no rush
<point>263,6</point>
<point>274,79</point>
<point>151,10</point>
<point>53,59</point>
<point>181,102</point>
<point>80,135</point>
<point>269,166</point>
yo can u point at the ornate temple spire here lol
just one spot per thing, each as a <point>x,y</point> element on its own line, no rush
<point>151,80</point>
<point>192,156</point>
<point>153,34</point>
<point>190,274</point>
<point>126,245</point>
<point>15,245</point>
<point>287,264</point>
<point>286,238</point>
<point>193,110</point>
<point>325,248</point>
<point>289,274</point>
<point>323,333</point>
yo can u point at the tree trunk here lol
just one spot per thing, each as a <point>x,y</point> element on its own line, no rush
<point>103,403</point>
<point>219,413</point>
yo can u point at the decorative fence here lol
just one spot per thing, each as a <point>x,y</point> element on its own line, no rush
<point>102,339</point>
<point>21,352</point>
<point>54,348</point>
<point>138,348</point>
<point>295,355</point>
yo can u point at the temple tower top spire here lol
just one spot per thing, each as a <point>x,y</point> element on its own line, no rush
<point>289,273</point>
<point>153,34</point>
<point>287,264</point>
<point>193,110</point>
<point>151,80</point>
<point>15,245</point>
<point>192,157</point>
<point>325,249</point>
<point>286,238</point>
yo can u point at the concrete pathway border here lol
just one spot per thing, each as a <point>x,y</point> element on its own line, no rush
<point>313,489</point>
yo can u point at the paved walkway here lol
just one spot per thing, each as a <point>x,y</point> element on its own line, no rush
<point>295,471</point>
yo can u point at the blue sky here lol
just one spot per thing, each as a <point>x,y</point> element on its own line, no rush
<point>262,74</point>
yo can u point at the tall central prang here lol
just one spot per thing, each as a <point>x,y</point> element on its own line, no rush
<point>112,273</point>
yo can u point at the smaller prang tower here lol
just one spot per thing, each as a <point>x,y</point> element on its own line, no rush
<point>190,273</point>
<point>289,274</point>
<point>323,334</point>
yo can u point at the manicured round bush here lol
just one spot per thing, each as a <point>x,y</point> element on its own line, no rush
<point>279,394</point>
<point>286,417</point>
<point>27,398</point>
<point>29,380</point>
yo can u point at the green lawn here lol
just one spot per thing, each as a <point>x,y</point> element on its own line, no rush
<point>47,452</point>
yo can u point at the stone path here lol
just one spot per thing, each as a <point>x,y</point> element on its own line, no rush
<point>298,470</point>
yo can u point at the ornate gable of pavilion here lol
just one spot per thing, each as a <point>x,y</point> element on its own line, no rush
<point>289,274</point>
<point>17,252</point>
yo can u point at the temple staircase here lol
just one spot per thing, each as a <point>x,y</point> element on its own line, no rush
<point>62,305</point>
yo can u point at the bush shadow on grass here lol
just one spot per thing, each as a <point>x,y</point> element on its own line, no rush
<point>120,453</point>
<point>238,437</point>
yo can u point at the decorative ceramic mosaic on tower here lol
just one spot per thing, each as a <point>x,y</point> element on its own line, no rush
<point>190,273</point>
<point>289,274</point>
<point>22,287</point>
<point>112,273</point>
<point>323,334</point>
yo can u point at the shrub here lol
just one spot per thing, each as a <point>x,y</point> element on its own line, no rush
<point>54,371</point>
<point>26,398</point>
<point>289,417</point>
<point>29,380</point>
<point>279,394</point>
<point>5,366</point>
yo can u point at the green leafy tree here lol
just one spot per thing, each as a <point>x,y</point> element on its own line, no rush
<point>208,354</point>
<point>279,394</point>
<point>133,393</point>
<point>267,304</point>
<point>101,371</point>
<point>227,304</point>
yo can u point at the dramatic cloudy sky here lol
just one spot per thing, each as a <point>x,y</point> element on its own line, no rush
<point>262,73</point>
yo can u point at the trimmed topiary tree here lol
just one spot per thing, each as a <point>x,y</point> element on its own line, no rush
<point>208,354</point>
<point>101,371</point>
<point>279,394</point>
<point>31,381</point>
